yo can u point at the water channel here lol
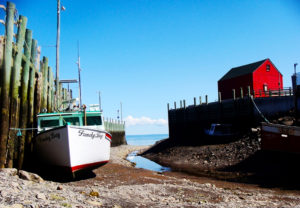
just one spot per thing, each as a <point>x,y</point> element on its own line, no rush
<point>141,162</point>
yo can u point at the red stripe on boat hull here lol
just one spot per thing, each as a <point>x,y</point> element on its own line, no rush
<point>88,165</point>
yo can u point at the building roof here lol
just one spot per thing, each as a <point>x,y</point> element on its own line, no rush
<point>242,70</point>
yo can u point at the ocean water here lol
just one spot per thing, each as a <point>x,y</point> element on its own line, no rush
<point>147,139</point>
<point>140,161</point>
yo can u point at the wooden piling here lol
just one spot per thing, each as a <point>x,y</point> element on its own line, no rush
<point>242,96</point>
<point>49,94</point>
<point>31,93</point>
<point>24,96</point>
<point>249,91</point>
<point>195,101</point>
<point>175,105</point>
<point>52,91</point>
<point>233,94</point>
<point>206,99</point>
<point>45,84</point>
<point>38,94</point>
<point>6,75</point>
<point>1,62</point>
<point>60,96</point>
<point>15,84</point>
<point>200,100</point>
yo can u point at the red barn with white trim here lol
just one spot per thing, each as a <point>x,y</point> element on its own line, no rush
<point>261,76</point>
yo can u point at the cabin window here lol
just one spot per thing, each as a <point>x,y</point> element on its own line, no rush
<point>49,123</point>
<point>71,121</point>
<point>268,67</point>
<point>93,120</point>
<point>265,87</point>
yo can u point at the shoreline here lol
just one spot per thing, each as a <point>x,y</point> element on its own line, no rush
<point>118,184</point>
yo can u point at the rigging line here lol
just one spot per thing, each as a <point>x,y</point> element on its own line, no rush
<point>260,113</point>
<point>22,129</point>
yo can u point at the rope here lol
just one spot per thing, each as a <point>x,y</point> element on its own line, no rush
<point>22,129</point>
<point>260,113</point>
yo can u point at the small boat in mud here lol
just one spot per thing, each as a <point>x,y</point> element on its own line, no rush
<point>220,130</point>
<point>72,140</point>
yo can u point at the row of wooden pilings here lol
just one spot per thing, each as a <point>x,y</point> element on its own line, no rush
<point>26,89</point>
<point>268,93</point>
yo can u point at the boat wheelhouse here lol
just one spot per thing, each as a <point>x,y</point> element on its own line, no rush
<point>48,121</point>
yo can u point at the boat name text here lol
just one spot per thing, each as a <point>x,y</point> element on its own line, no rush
<point>91,135</point>
<point>50,137</point>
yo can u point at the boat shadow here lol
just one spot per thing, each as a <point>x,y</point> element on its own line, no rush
<point>58,174</point>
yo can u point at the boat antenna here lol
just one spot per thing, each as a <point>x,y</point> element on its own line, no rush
<point>79,81</point>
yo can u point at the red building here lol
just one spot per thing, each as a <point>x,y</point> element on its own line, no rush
<point>261,76</point>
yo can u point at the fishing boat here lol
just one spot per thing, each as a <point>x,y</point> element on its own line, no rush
<point>74,140</point>
<point>220,130</point>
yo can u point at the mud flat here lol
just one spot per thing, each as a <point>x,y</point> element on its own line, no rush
<point>119,184</point>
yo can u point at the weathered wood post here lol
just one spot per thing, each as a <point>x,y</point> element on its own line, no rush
<point>15,85</point>
<point>242,94</point>
<point>206,99</point>
<point>168,106</point>
<point>60,95</point>
<point>49,90</point>
<point>5,88</point>
<point>200,100</point>
<point>180,104</point>
<point>1,63</point>
<point>249,91</point>
<point>195,101</point>
<point>38,93</point>
<point>233,94</point>
<point>184,104</point>
<point>31,91</point>
<point>175,105</point>
<point>51,80</point>
<point>45,84</point>
<point>24,96</point>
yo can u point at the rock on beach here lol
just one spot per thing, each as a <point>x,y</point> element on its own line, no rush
<point>118,184</point>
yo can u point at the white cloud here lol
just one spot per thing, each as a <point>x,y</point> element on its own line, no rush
<point>131,121</point>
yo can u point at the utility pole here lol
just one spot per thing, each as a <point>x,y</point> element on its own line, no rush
<point>78,64</point>
<point>57,53</point>
<point>296,95</point>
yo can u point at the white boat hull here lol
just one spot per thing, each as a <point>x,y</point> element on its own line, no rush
<point>73,147</point>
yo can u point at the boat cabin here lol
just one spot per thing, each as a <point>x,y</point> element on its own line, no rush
<point>48,121</point>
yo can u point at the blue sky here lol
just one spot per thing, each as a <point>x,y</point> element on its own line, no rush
<point>147,53</point>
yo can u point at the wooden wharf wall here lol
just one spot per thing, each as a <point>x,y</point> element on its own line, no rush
<point>188,123</point>
<point>26,89</point>
<point>117,129</point>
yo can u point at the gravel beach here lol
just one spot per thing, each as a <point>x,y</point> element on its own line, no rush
<point>118,184</point>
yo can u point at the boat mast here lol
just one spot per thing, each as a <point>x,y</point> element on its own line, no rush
<point>79,81</point>
<point>57,53</point>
